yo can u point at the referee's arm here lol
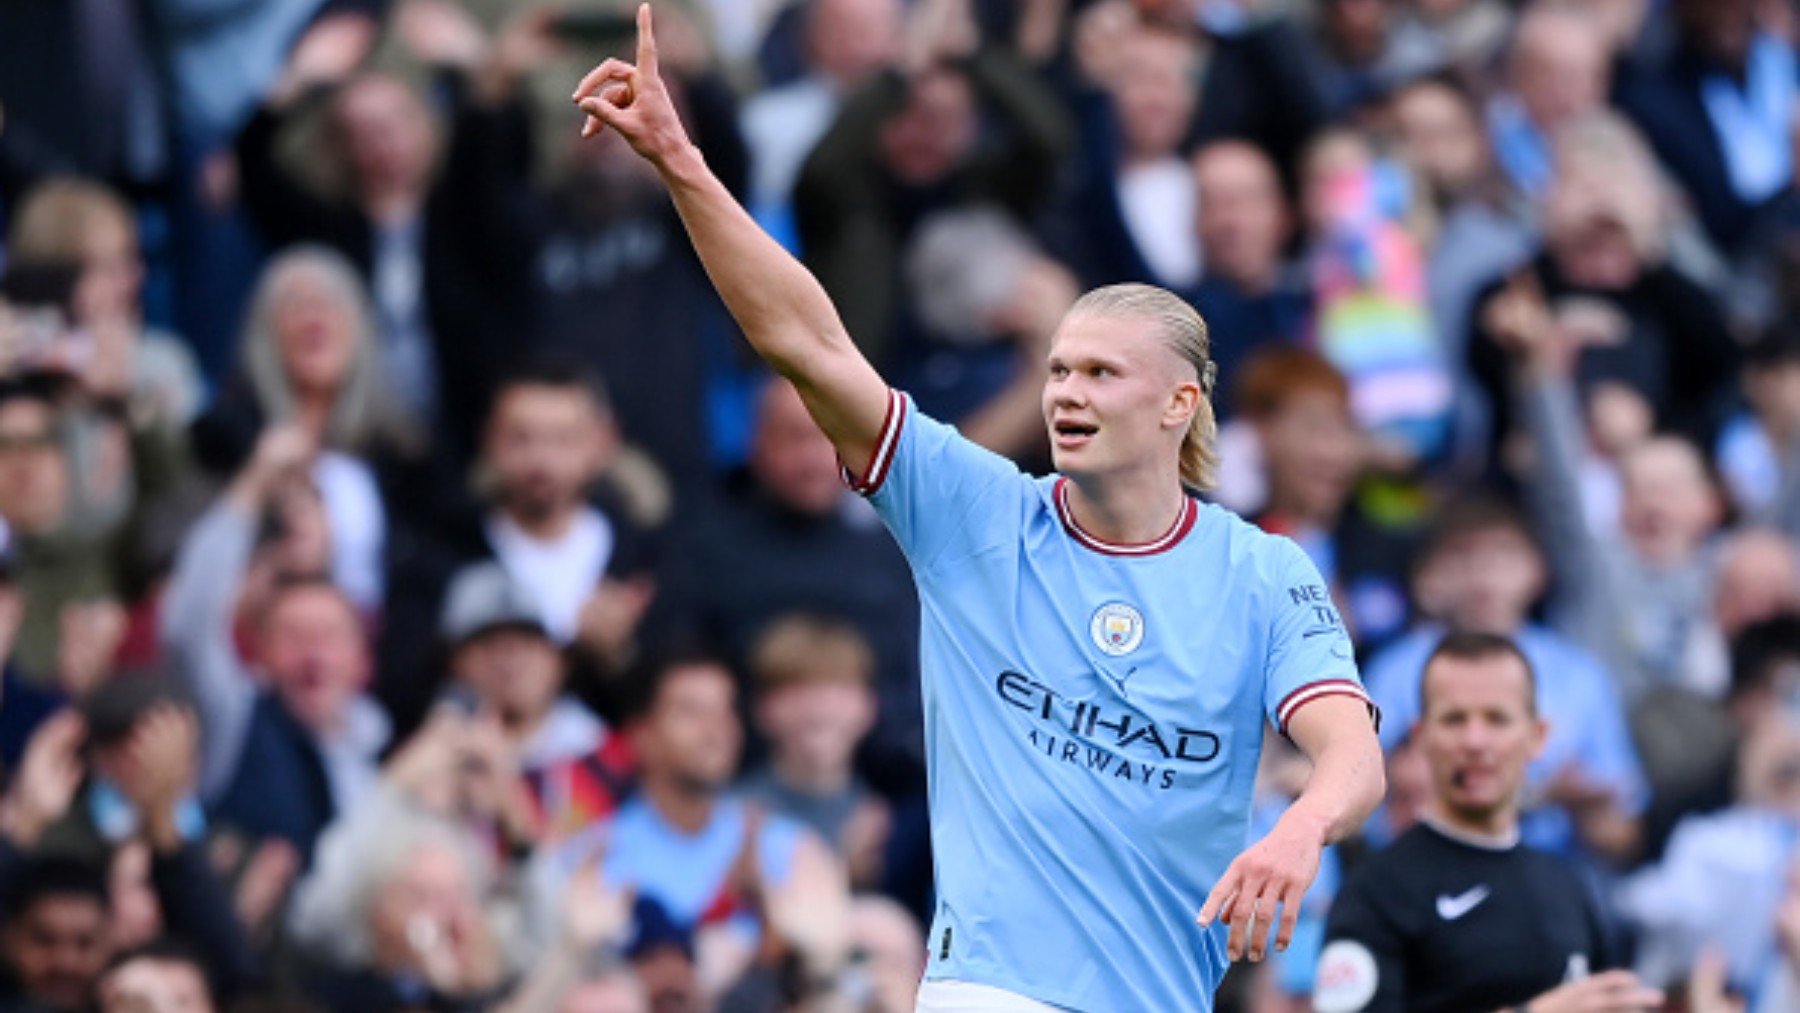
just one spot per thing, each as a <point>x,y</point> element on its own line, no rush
<point>1347,782</point>
<point>783,310</point>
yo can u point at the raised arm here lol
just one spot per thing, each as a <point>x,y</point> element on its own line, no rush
<point>782,309</point>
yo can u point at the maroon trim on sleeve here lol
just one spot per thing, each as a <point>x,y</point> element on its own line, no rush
<point>1319,691</point>
<point>885,447</point>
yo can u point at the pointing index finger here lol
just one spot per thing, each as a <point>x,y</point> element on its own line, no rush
<point>646,51</point>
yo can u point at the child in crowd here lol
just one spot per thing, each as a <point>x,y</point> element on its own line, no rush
<point>814,704</point>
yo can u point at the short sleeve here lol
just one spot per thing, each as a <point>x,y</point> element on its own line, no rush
<point>940,494</point>
<point>1310,655</point>
<point>1362,967</point>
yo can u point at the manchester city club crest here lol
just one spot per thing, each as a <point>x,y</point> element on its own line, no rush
<point>1117,628</point>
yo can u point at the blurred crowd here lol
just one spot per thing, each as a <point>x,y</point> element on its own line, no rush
<point>413,596</point>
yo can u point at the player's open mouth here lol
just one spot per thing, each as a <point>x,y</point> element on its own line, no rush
<point>1073,434</point>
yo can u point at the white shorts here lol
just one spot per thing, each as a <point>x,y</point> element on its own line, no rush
<point>965,997</point>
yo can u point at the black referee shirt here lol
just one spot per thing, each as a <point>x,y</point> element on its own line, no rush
<point>1437,924</point>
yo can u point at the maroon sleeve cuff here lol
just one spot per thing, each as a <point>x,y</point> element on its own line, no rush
<point>1319,691</point>
<point>886,445</point>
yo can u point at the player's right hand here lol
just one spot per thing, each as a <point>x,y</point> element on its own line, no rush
<point>633,100</point>
<point>1608,992</point>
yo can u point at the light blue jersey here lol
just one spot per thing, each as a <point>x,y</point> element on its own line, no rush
<point>1094,714</point>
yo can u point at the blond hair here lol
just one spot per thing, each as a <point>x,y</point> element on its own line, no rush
<point>1184,331</point>
<point>57,217</point>
<point>801,649</point>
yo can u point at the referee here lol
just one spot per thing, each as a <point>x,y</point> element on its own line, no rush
<point>1456,915</point>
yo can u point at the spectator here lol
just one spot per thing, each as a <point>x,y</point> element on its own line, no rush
<point>613,286</point>
<point>988,301</point>
<point>1457,914</point>
<point>1479,571</point>
<point>133,822</point>
<point>697,850</point>
<point>1312,453</point>
<point>909,142</point>
<point>156,976</point>
<point>403,218</point>
<point>1703,773</point>
<point>552,522</point>
<point>1641,326</point>
<point>395,914</point>
<point>847,41</point>
<point>1559,72</point>
<point>55,941</point>
<point>1725,874</point>
<point>81,92</point>
<point>1633,599</point>
<point>501,653</point>
<point>1366,261</point>
<point>814,704</point>
<point>1718,108</point>
<point>61,571</point>
<point>1483,230</point>
<point>1362,48</point>
<point>83,224</point>
<point>615,991</point>
<point>1251,295</point>
<point>1757,578</point>
<point>793,542</point>
<point>893,945</point>
<point>308,362</point>
<point>77,496</point>
<point>590,266</point>
<point>1754,447</point>
<point>1133,211</point>
<point>289,738</point>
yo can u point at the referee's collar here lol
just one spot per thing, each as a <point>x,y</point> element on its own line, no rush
<point>1184,522</point>
<point>1486,842</point>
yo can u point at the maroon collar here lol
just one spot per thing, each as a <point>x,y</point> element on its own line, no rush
<point>1190,512</point>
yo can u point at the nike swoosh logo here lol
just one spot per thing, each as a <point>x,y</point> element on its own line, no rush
<point>1451,908</point>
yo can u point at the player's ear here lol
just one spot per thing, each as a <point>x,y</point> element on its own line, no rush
<point>1184,400</point>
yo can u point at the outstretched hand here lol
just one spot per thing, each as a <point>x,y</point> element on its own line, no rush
<point>633,100</point>
<point>47,780</point>
<point>1275,871</point>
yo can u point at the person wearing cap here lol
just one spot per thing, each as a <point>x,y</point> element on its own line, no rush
<point>505,663</point>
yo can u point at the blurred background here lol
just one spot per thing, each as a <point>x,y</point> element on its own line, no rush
<point>413,595</point>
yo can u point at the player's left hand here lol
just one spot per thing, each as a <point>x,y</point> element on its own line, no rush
<point>1275,871</point>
